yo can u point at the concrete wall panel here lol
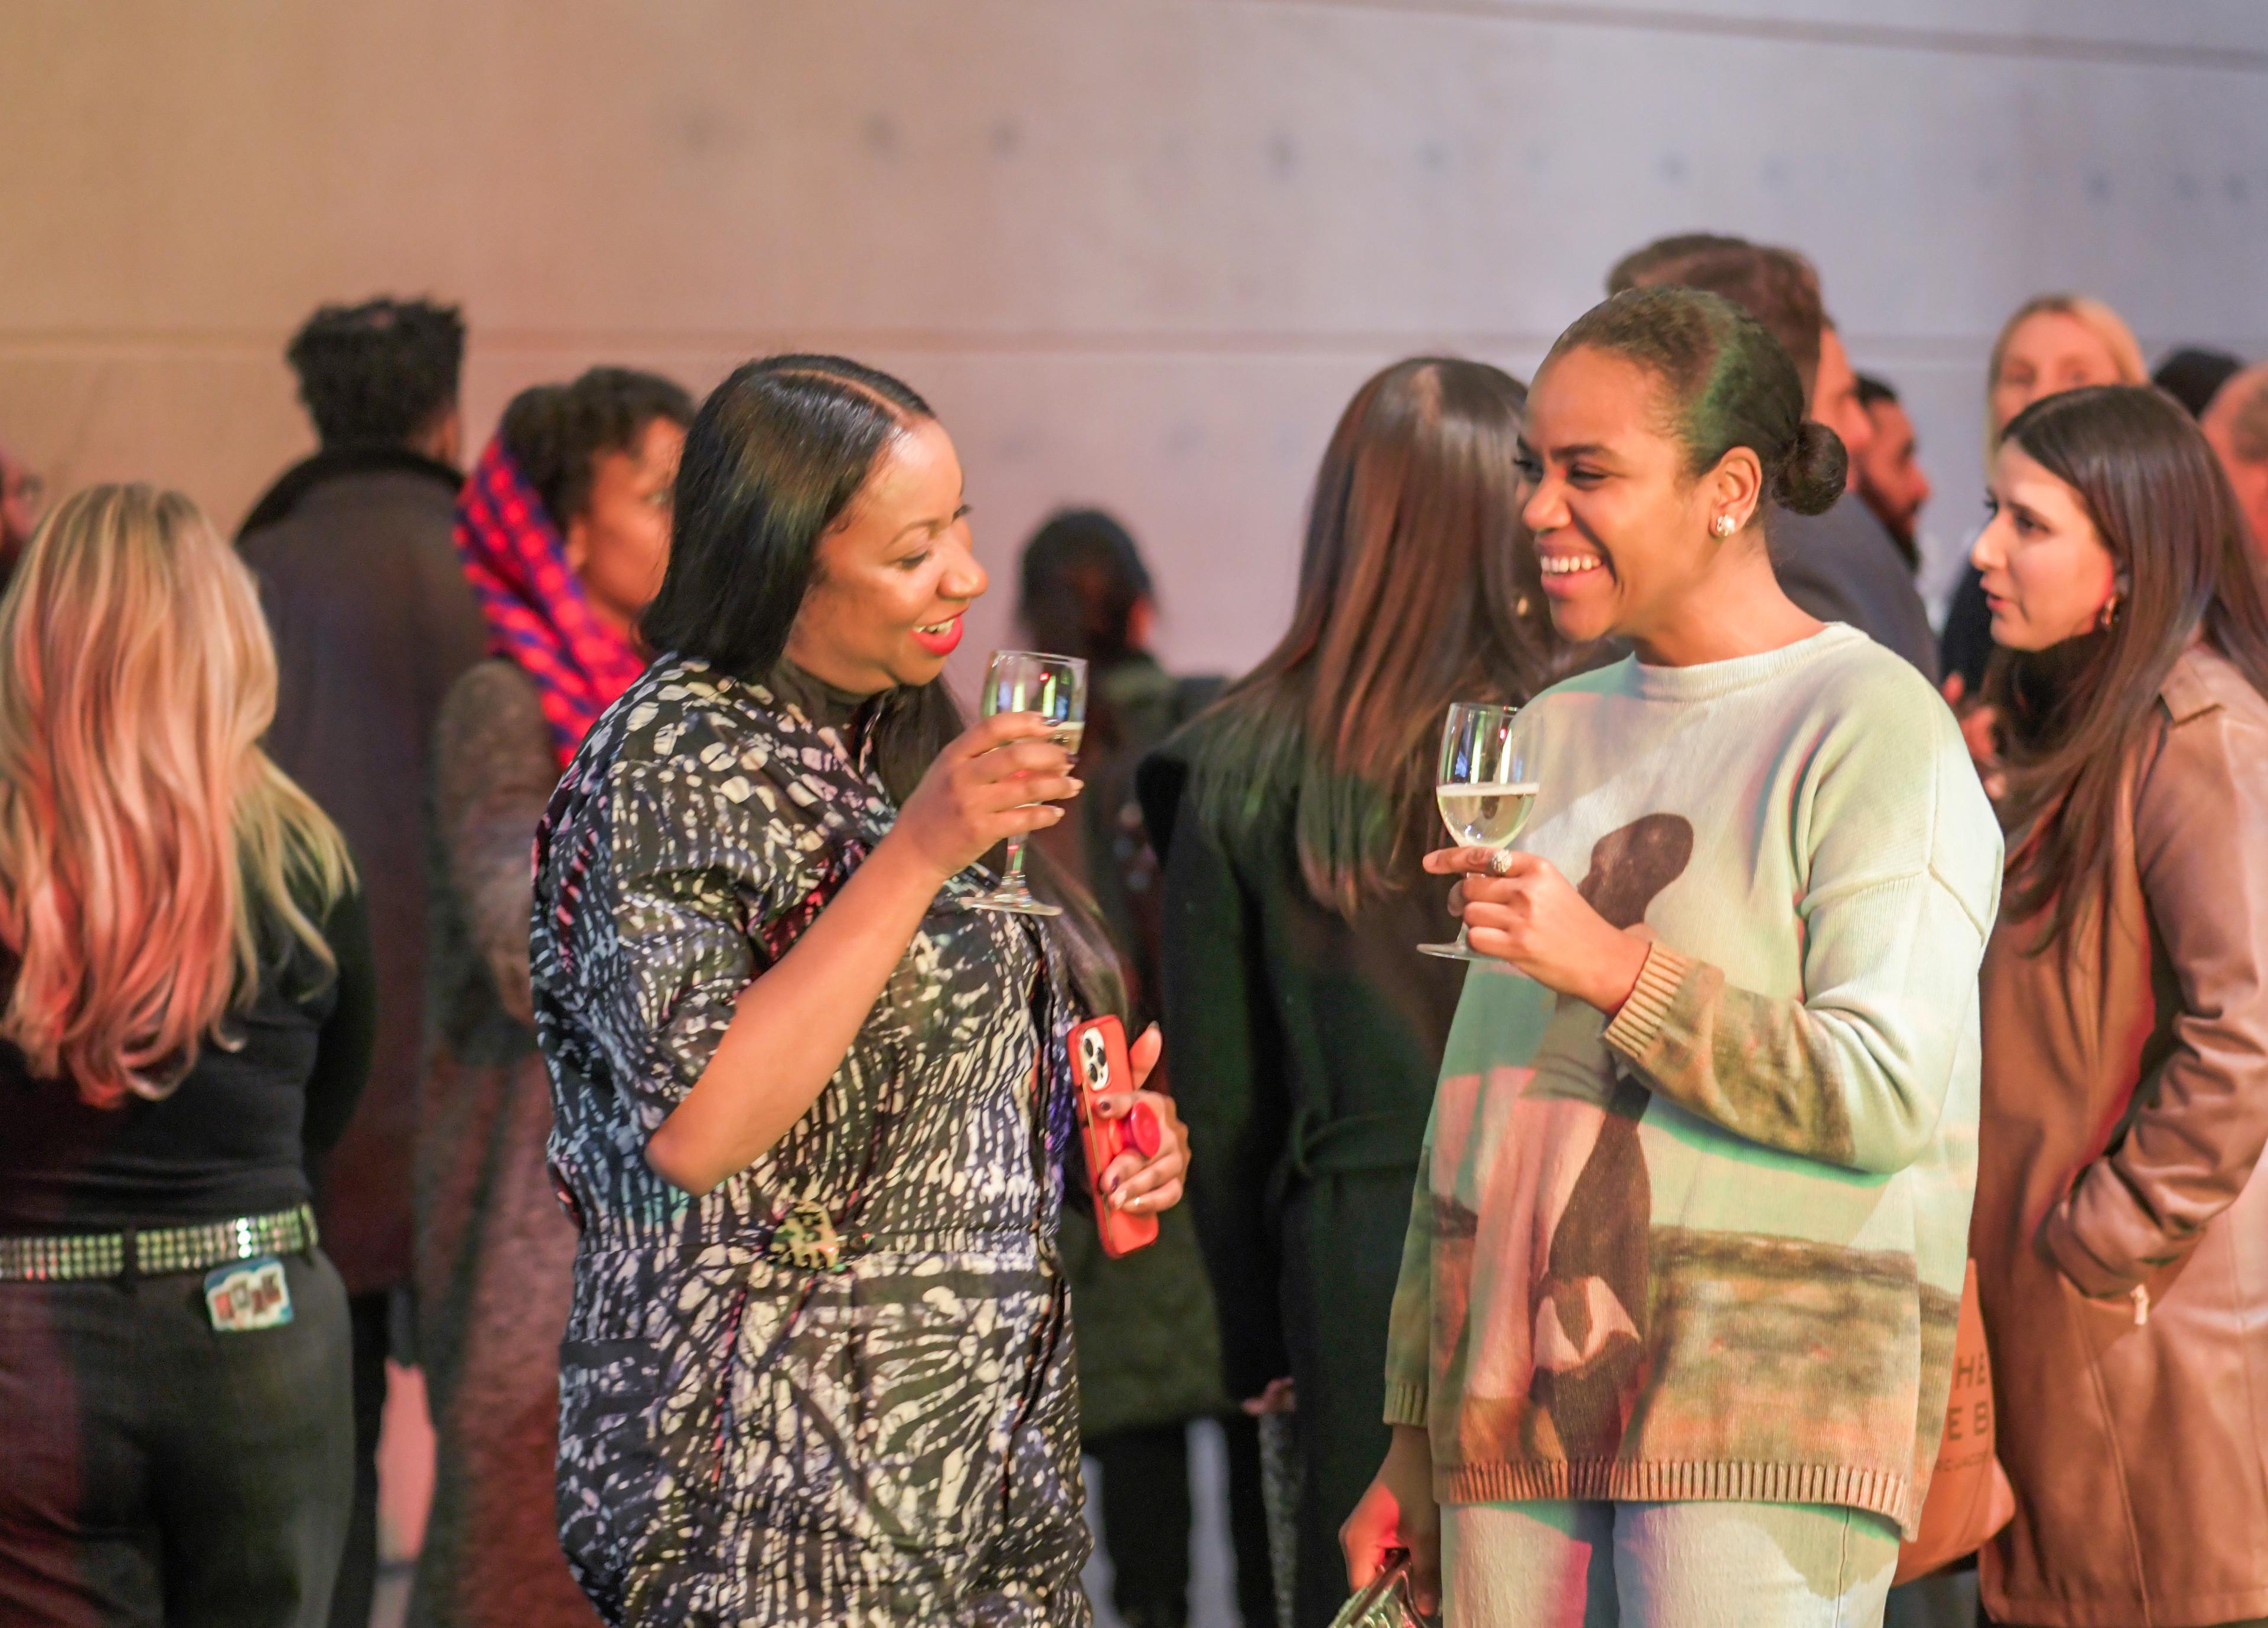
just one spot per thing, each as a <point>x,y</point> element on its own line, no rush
<point>1138,252</point>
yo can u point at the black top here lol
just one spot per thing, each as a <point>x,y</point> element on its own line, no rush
<point>1967,642</point>
<point>1304,1049</point>
<point>231,1139</point>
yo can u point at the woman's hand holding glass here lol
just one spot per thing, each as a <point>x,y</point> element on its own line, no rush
<point>1002,778</point>
<point>1518,910</point>
<point>1131,1183</point>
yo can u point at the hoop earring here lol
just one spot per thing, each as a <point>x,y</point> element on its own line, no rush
<point>2107,618</point>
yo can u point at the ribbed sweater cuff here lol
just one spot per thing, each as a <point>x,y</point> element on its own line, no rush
<point>1405,1405</point>
<point>1643,1014</point>
<point>1877,1491</point>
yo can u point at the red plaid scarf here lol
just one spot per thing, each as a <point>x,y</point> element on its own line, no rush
<point>537,614</point>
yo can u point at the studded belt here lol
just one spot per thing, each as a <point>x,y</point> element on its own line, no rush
<point>156,1250</point>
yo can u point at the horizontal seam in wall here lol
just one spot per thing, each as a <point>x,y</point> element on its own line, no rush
<point>1961,349</point>
<point>1890,36</point>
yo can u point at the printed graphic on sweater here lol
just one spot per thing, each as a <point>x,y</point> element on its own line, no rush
<point>1591,1302</point>
<point>1711,1249</point>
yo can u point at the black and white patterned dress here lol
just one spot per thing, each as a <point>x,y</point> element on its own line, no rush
<point>745,1436</point>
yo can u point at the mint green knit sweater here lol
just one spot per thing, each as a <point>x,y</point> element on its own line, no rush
<point>1714,1249</point>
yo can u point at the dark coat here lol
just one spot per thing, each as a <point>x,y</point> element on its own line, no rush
<point>1149,1351</point>
<point>1305,1049</point>
<point>372,621</point>
<point>1844,566</point>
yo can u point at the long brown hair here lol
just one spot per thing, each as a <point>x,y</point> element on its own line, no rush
<point>1418,585</point>
<point>145,839</point>
<point>2077,713</point>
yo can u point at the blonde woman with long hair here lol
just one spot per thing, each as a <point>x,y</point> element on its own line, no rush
<point>2051,343</point>
<point>185,1014</point>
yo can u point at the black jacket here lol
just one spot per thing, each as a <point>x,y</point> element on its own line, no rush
<point>1304,1049</point>
<point>1844,566</point>
<point>373,622</point>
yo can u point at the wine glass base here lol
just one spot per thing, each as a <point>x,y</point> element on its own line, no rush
<point>1453,951</point>
<point>1013,904</point>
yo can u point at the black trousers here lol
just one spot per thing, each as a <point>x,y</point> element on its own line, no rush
<point>369,1318</point>
<point>155,1471</point>
<point>1146,1516</point>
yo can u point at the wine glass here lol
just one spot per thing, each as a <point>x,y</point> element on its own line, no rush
<point>1055,687</point>
<point>1485,790</point>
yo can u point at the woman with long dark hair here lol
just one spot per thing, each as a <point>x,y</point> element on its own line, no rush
<point>2120,1207</point>
<point>188,1003</point>
<point>2049,343</point>
<point>562,531</point>
<point>1292,817</point>
<point>1674,1332</point>
<point>811,1107</point>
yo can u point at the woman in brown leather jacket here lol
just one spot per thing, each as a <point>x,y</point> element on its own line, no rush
<point>2120,1234</point>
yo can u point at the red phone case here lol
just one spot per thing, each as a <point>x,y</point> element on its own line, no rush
<point>1098,1059</point>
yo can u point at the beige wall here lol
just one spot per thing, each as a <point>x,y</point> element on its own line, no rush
<point>1134,253</point>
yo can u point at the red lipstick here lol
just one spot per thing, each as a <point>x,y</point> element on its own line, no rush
<point>940,643</point>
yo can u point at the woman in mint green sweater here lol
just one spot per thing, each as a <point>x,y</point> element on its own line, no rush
<point>1674,1330</point>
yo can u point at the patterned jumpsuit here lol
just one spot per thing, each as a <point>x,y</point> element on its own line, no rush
<point>745,1435</point>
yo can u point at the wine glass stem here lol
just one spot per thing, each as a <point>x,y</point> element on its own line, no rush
<point>1012,878</point>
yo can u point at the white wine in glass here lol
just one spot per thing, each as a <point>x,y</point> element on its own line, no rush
<point>1055,687</point>
<point>1485,790</point>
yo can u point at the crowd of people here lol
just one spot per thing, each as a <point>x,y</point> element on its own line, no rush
<point>526,915</point>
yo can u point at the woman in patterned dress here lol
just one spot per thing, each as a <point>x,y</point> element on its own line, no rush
<point>810,1108</point>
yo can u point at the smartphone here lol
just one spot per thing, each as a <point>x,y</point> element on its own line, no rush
<point>1098,1059</point>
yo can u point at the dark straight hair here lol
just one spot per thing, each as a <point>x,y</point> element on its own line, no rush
<point>774,458</point>
<point>2078,713</point>
<point>1418,585</point>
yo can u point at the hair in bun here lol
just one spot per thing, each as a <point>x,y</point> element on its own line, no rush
<point>1812,478</point>
<point>1729,383</point>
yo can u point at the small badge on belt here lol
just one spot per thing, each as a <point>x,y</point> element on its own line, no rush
<point>807,1238</point>
<point>245,1295</point>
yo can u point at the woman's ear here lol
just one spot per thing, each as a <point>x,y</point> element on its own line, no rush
<point>576,540</point>
<point>1734,491</point>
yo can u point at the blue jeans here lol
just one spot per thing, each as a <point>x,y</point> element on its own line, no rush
<point>1562,1564</point>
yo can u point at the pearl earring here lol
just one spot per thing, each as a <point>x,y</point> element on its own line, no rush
<point>1722,526</point>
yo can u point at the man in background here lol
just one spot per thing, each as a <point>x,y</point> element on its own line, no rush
<point>372,621</point>
<point>22,495</point>
<point>1887,474</point>
<point>1842,565</point>
<point>2236,423</point>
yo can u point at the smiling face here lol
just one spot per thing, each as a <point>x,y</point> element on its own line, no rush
<point>2050,352</point>
<point>1621,531</point>
<point>2048,574</point>
<point>894,575</point>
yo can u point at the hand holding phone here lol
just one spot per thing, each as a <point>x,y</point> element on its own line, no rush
<point>1099,1059</point>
